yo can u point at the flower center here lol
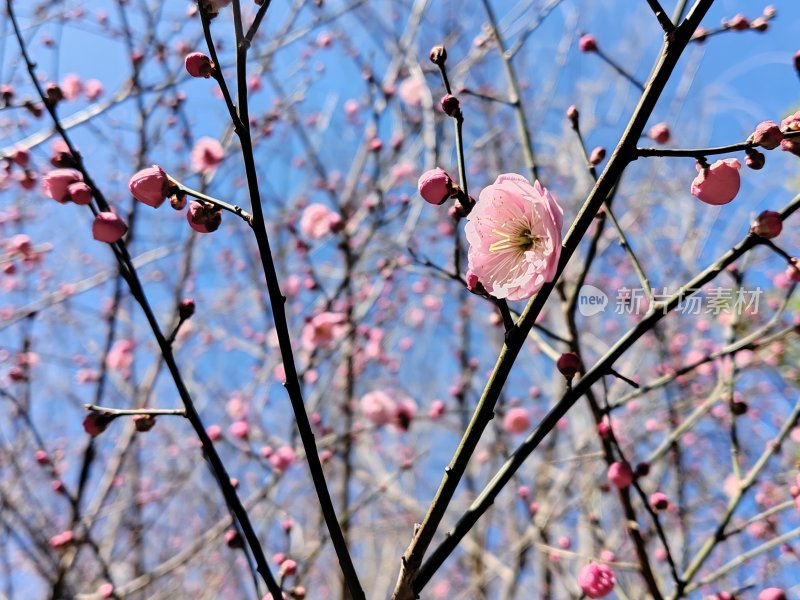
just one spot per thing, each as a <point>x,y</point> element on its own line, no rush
<point>521,240</point>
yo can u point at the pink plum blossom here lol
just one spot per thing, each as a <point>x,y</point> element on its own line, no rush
<point>378,407</point>
<point>93,89</point>
<point>596,581</point>
<point>435,186</point>
<point>412,89</point>
<point>767,135</point>
<point>282,458</point>
<point>587,43</point>
<point>516,420</point>
<point>772,593</point>
<point>203,217</point>
<point>620,474</point>
<point>323,330</point>
<point>71,86</point>
<point>318,221</point>
<point>719,183</point>
<point>108,227</point>
<point>514,233</point>
<point>207,155</point>
<point>56,183</point>
<point>659,133</point>
<point>149,186</point>
<point>198,64</point>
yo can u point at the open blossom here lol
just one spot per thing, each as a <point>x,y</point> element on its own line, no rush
<point>378,407</point>
<point>207,155</point>
<point>719,183</point>
<point>596,581</point>
<point>514,233</point>
<point>318,221</point>
<point>323,330</point>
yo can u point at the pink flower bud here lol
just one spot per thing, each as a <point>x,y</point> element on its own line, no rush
<point>435,186</point>
<point>772,593</point>
<point>203,217</point>
<point>233,539</point>
<point>516,420</point>
<point>150,186</point>
<point>198,65</point>
<point>767,135</point>
<point>80,193</point>
<point>597,155</point>
<point>42,457</point>
<point>603,429</point>
<point>93,89</point>
<point>450,105</point>
<point>620,474</point>
<point>438,55</point>
<point>573,114</point>
<point>144,423</point>
<point>659,501</point>
<point>767,225</point>
<point>240,429</point>
<point>568,364</point>
<point>739,23</point>
<point>754,159</point>
<point>57,182</point>
<point>719,183</point>
<point>759,24</point>
<point>659,133</point>
<point>596,581</point>
<point>96,423</point>
<point>186,308</point>
<point>288,567</point>
<point>108,227</point>
<point>106,590</point>
<point>588,43</point>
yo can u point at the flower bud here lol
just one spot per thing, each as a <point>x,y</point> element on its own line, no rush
<point>80,193</point>
<point>573,114</point>
<point>199,65</point>
<point>620,474</point>
<point>186,308</point>
<point>56,183</point>
<point>438,55</point>
<point>450,105</point>
<point>659,133</point>
<point>719,183</point>
<point>739,23</point>
<point>754,159</point>
<point>233,539</point>
<point>588,43</point>
<point>659,501</point>
<point>144,423</point>
<point>203,217</point>
<point>568,364</point>
<point>178,201</point>
<point>435,186</point>
<point>150,186</point>
<point>772,593</point>
<point>767,225</point>
<point>597,155</point>
<point>767,135</point>
<point>54,93</point>
<point>108,227</point>
<point>759,24</point>
<point>96,423</point>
